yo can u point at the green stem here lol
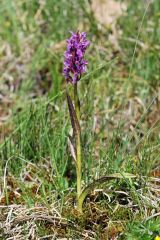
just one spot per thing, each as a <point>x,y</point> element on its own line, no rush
<point>76,102</point>
<point>79,166</point>
<point>78,148</point>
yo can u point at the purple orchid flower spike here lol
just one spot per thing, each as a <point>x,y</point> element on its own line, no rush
<point>74,62</point>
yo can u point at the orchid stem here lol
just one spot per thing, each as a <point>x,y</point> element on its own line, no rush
<point>76,102</point>
<point>78,149</point>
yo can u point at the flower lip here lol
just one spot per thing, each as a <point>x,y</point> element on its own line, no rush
<point>74,62</point>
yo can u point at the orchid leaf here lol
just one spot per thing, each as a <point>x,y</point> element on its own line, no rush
<point>100,181</point>
<point>73,116</point>
<point>72,148</point>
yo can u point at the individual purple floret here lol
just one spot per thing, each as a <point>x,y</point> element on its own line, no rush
<point>74,62</point>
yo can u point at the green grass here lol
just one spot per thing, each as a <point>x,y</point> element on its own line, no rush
<point>147,230</point>
<point>120,121</point>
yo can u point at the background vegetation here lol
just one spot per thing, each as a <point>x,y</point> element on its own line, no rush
<point>120,107</point>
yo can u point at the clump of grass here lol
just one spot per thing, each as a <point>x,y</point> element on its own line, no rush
<point>147,230</point>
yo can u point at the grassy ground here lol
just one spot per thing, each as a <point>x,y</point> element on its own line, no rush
<point>120,112</point>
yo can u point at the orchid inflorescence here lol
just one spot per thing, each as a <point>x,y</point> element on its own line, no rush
<point>74,62</point>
